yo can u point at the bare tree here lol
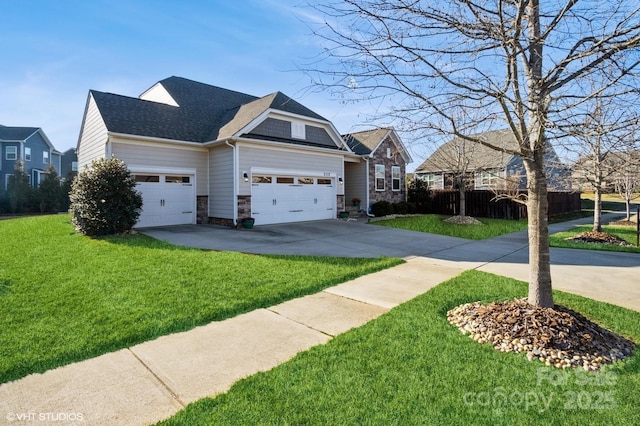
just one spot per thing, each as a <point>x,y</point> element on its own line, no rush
<point>502,63</point>
<point>597,132</point>
<point>627,179</point>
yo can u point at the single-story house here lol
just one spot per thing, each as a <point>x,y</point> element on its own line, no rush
<point>614,165</point>
<point>204,154</point>
<point>485,168</point>
<point>30,147</point>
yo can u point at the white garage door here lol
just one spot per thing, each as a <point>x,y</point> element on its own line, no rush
<point>166,199</point>
<point>280,199</point>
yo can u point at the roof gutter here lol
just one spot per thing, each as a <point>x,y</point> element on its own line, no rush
<point>154,139</point>
<point>236,169</point>
<point>289,146</point>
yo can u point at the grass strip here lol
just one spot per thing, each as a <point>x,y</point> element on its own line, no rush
<point>434,224</point>
<point>410,366</point>
<point>66,297</point>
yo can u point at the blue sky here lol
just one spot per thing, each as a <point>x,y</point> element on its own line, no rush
<point>55,51</point>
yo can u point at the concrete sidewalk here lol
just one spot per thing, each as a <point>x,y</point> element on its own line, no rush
<point>153,380</point>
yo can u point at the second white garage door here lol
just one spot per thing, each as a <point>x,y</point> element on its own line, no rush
<point>167,199</point>
<point>281,199</point>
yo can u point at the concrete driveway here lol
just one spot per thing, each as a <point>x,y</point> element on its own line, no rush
<point>607,276</point>
<point>318,238</point>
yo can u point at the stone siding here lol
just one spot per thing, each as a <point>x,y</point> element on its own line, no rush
<point>380,157</point>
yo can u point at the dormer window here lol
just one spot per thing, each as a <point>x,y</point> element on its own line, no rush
<point>298,130</point>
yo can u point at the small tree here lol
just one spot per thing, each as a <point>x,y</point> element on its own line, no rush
<point>50,192</point>
<point>19,191</point>
<point>104,199</point>
<point>627,179</point>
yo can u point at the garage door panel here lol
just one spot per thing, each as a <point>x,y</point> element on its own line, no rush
<point>166,200</point>
<point>291,199</point>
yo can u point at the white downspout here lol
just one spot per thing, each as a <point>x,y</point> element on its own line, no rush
<point>368,188</point>
<point>236,169</point>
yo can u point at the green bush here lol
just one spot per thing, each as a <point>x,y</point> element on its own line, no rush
<point>104,199</point>
<point>381,208</point>
<point>50,193</point>
<point>419,195</point>
<point>400,208</point>
<point>20,194</point>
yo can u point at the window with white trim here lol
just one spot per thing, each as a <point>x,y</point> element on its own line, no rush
<point>298,130</point>
<point>380,177</point>
<point>27,153</point>
<point>45,157</point>
<point>395,178</point>
<point>489,178</point>
<point>11,153</point>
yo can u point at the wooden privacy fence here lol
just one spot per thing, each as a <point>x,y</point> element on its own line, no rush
<point>482,204</point>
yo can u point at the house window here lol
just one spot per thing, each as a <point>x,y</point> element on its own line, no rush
<point>434,181</point>
<point>74,166</point>
<point>284,180</point>
<point>324,181</point>
<point>27,154</point>
<point>7,178</point>
<point>298,130</point>
<point>379,177</point>
<point>395,178</point>
<point>489,178</point>
<point>45,157</point>
<point>147,178</point>
<point>11,153</point>
<point>305,180</point>
<point>261,179</point>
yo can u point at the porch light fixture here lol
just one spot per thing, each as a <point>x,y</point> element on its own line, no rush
<point>245,176</point>
<point>340,180</point>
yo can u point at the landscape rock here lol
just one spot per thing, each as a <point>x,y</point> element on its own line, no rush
<point>557,336</point>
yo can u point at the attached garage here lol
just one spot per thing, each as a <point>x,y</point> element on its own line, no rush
<point>167,199</point>
<point>281,198</point>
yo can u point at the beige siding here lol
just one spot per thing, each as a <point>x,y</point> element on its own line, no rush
<point>159,156</point>
<point>287,159</point>
<point>93,139</point>
<point>221,201</point>
<point>355,182</point>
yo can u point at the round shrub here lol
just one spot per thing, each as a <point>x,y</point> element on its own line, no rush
<point>104,199</point>
<point>400,208</point>
<point>381,208</point>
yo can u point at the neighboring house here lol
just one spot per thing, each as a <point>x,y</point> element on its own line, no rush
<point>381,176</point>
<point>612,167</point>
<point>69,163</point>
<point>486,168</point>
<point>31,147</point>
<point>204,154</point>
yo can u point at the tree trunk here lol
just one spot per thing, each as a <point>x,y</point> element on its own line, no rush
<point>540,293</point>
<point>628,207</point>
<point>463,197</point>
<point>597,210</point>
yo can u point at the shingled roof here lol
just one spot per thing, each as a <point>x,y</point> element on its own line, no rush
<point>365,142</point>
<point>204,112</point>
<point>479,156</point>
<point>9,133</point>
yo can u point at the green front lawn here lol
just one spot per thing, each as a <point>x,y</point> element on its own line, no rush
<point>66,297</point>
<point>433,224</point>
<point>412,367</point>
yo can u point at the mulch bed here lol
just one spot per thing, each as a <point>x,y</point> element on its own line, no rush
<point>558,337</point>
<point>598,237</point>
<point>463,220</point>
